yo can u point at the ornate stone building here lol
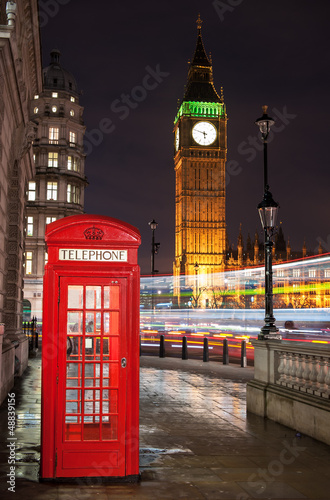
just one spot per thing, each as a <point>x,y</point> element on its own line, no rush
<point>20,80</point>
<point>200,149</point>
<point>200,152</point>
<point>57,190</point>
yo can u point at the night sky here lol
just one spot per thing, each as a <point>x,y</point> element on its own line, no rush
<point>274,52</point>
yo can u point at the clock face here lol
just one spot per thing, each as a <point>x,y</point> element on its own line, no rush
<point>177,139</point>
<point>204,133</point>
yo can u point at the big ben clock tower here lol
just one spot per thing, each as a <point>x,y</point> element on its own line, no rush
<point>200,148</point>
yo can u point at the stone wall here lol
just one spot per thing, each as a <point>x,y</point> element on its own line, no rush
<point>292,386</point>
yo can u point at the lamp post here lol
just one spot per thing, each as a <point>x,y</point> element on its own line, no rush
<point>154,249</point>
<point>196,267</point>
<point>268,209</point>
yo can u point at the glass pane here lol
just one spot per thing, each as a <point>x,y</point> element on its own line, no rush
<point>92,375</point>
<point>74,348</point>
<point>111,297</point>
<point>114,348</point>
<point>75,297</point>
<point>73,374</point>
<point>93,297</point>
<point>106,322</point>
<point>113,401</point>
<point>89,322</point>
<point>110,429</point>
<point>113,374</point>
<point>106,349</point>
<point>74,324</point>
<point>111,398</point>
<point>114,323</point>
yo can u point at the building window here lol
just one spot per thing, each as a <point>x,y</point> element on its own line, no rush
<point>36,110</point>
<point>312,273</point>
<point>52,191</point>
<point>71,112</point>
<point>73,163</point>
<point>55,95</point>
<point>53,159</point>
<point>72,138</point>
<point>32,191</point>
<point>50,219</point>
<point>28,263</point>
<point>54,109</point>
<point>327,273</point>
<point>296,273</point>
<point>53,135</point>
<point>30,226</point>
<point>36,96</point>
<point>280,273</point>
<point>72,99</point>
<point>73,194</point>
<point>46,257</point>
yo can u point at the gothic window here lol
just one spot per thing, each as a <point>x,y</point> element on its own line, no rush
<point>50,219</point>
<point>30,226</point>
<point>53,135</point>
<point>32,191</point>
<point>73,194</point>
<point>52,191</point>
<point>55,94</point>
<point>28,263</point>
<point>73,163</point>
<point>52,159</point>
<point>72,138</point>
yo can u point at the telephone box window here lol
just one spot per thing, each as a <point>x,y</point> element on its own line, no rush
<point>92,366</point>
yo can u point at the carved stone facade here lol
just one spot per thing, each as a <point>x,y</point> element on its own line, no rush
<point>20,80</point>
<point>200,150</point>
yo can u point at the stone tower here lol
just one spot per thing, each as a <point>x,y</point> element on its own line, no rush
<point>200,148</point>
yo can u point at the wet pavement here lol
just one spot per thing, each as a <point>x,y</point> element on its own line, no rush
<point>196,442</point>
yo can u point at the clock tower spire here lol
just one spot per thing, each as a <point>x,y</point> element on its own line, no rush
<point>200,149</point>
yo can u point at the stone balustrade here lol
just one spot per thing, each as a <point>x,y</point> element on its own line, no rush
<point>304,372</point>
<point>292,385</point>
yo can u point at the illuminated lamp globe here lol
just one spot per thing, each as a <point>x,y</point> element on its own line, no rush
<point>268,209</point>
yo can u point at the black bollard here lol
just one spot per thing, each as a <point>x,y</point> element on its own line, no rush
<point>184,348</point>
<point>243,354</point>
<point>206,350</point>
<point>162,346</point>
<point>225,355</point>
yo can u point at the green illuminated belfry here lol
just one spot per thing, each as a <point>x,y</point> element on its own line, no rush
<point>200,149</point>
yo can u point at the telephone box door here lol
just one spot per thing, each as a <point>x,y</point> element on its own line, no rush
<point>91,394</point>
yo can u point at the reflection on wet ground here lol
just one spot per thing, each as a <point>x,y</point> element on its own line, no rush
<point>196,442</point>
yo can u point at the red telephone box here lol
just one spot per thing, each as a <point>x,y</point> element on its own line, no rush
<point>90,350</point>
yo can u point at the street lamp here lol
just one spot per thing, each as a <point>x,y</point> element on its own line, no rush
<point>154,249</point>
<point>267,209</point>
<point>154,246</point>
<point>196,267</point>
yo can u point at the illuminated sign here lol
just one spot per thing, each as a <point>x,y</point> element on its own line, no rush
<point>96,255</point>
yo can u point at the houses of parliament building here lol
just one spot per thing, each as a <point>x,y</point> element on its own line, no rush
<point>200,153</point>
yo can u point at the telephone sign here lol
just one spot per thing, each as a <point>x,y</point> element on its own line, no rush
<point>90,352</point>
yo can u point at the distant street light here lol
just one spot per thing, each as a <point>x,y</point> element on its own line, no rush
<point>154,249</point>
<point>196,267</point>
<point>268,209</point>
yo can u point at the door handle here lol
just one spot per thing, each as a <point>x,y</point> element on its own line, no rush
<point>123,362</point>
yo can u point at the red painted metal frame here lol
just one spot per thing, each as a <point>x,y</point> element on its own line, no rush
<point>69,233</point>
